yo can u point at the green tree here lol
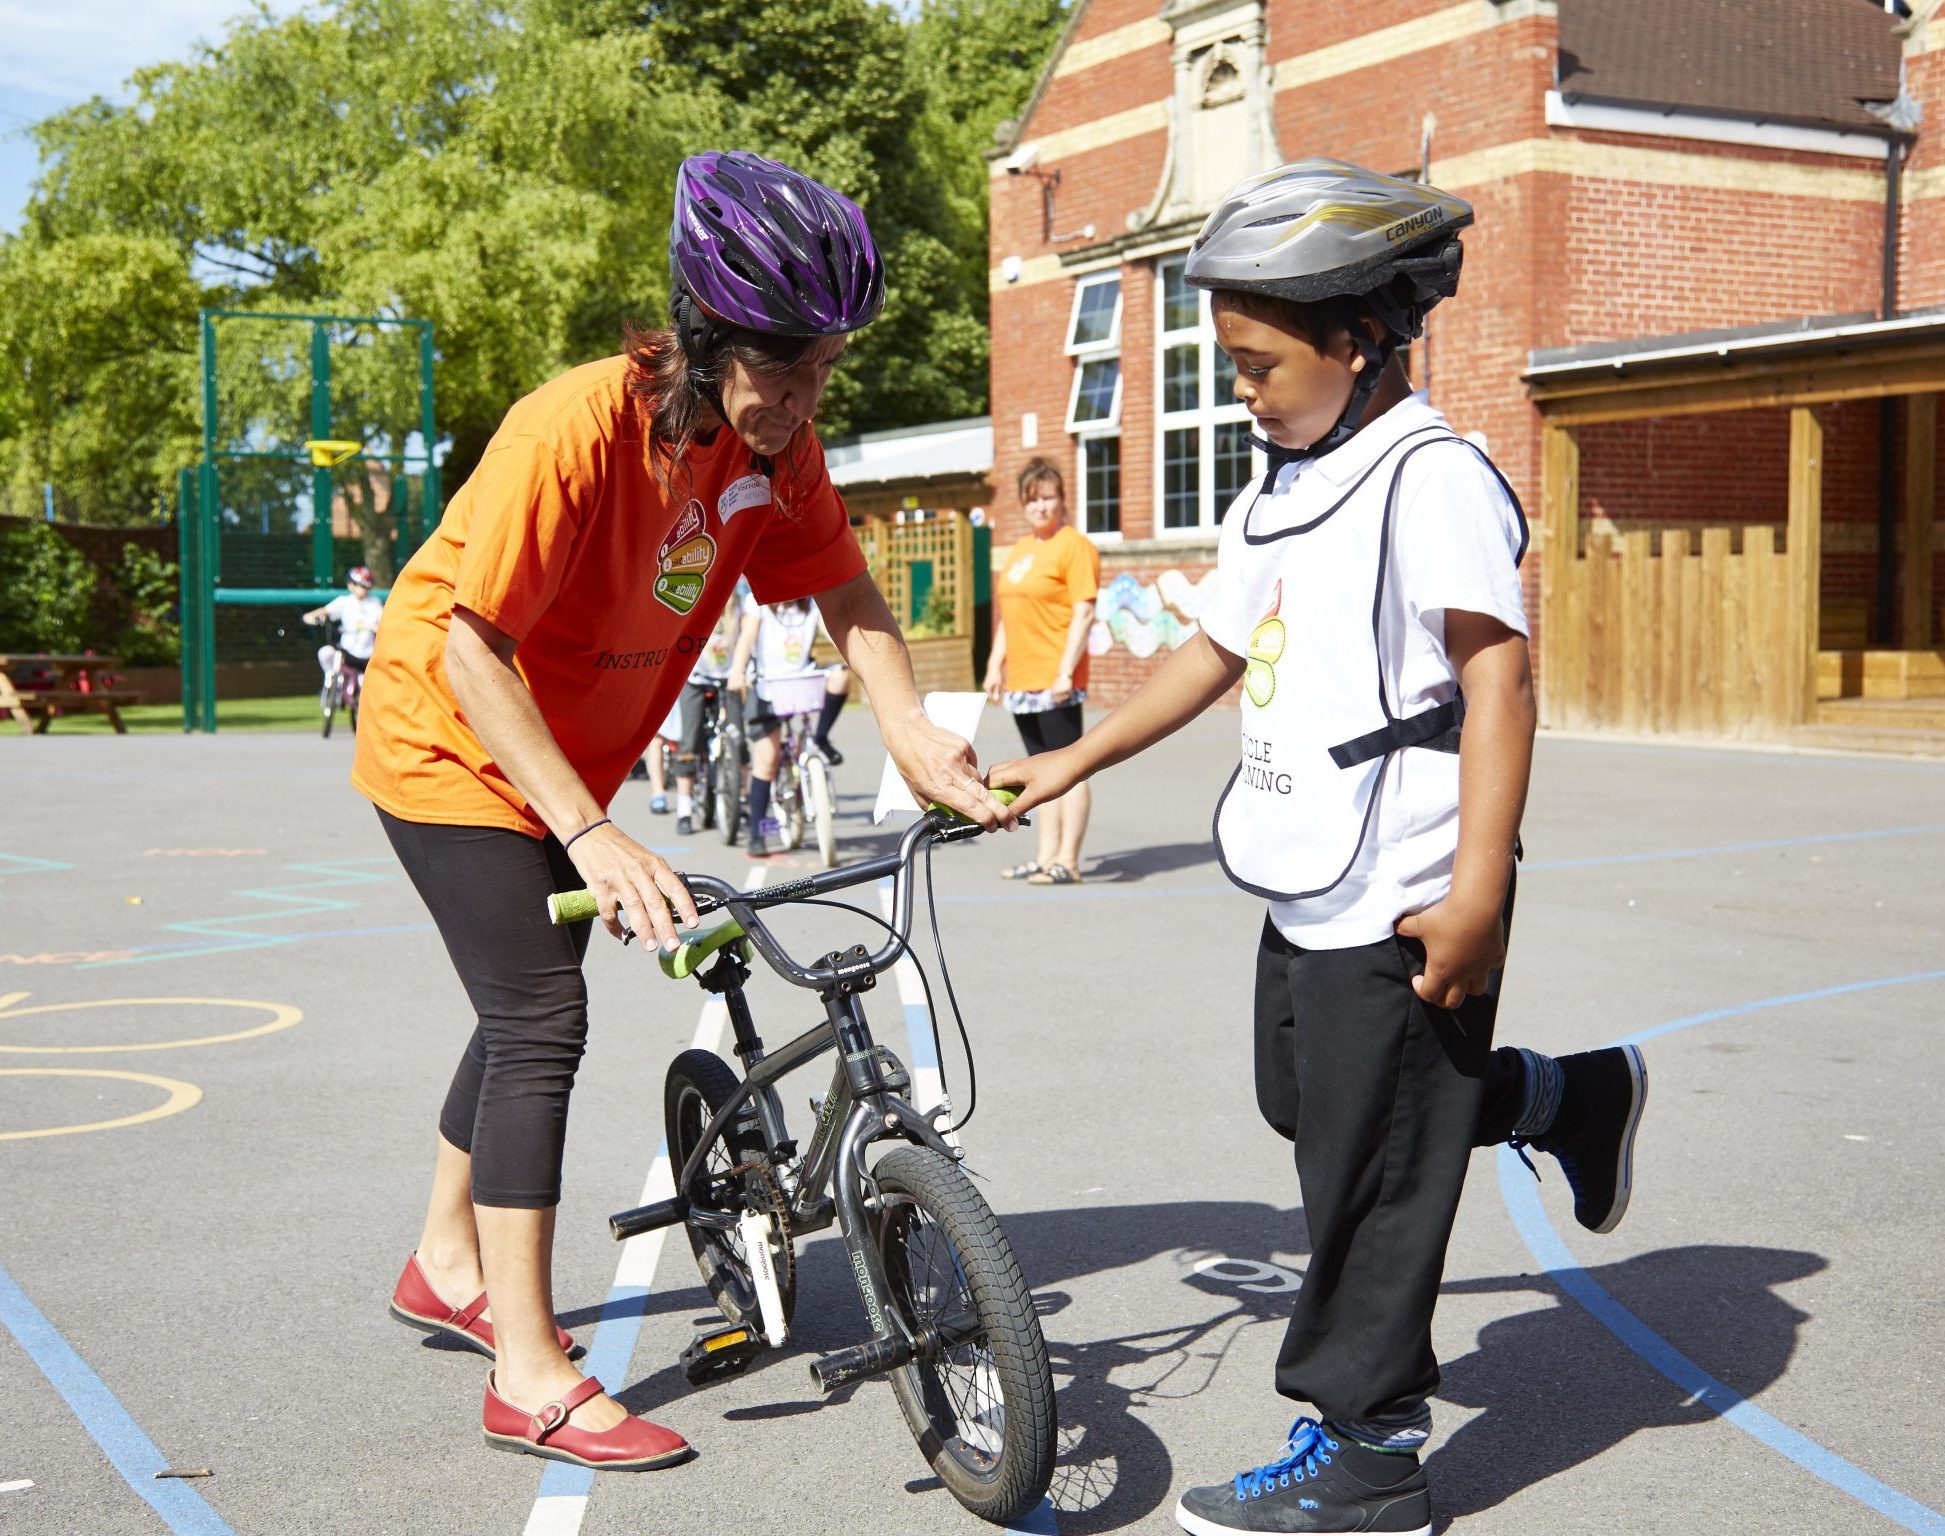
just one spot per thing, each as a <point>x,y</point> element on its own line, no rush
<point>49,587</point>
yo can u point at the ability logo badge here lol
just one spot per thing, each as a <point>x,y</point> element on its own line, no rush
<point>1266,643</point>
<point>685,558</point>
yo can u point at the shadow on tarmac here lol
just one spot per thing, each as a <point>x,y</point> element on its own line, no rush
<point>1130,866</point>
<point>1557,1389</point>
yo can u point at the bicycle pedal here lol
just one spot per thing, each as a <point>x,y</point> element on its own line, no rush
<point>726,1352</point>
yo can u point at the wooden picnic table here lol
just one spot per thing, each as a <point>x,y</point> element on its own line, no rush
<point>35,686</point>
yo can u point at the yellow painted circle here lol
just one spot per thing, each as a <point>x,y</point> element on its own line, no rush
<point>181,1096</point>
<point>282,1016</point>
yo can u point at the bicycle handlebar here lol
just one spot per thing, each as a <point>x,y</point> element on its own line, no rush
<point>939,823</point>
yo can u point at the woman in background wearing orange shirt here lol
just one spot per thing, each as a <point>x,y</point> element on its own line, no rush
<point>527,655</point>
<point>1038,667</point>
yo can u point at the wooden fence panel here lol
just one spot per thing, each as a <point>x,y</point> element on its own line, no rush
<point>1669,639</point>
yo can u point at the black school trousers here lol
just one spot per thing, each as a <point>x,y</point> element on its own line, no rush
<point>487,890</point>
<point>1384,1098</point>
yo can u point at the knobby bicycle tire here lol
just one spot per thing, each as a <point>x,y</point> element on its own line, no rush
<point>698,1084</point>
<point>982,1410</point>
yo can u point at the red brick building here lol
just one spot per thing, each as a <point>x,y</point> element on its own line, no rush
<point>1639,173</point>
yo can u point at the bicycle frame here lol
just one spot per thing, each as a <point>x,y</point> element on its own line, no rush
<point>862,1106</point>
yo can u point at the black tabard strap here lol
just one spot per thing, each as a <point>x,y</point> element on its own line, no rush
<point>1437,728</point>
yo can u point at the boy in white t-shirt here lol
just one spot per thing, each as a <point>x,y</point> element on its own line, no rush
<point>1367,597</point>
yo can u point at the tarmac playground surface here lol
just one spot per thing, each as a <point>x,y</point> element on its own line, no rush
<point>226,1027</point>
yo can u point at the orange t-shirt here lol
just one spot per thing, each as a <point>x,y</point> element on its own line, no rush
<point>564,539</point>
<point>1039,583</point>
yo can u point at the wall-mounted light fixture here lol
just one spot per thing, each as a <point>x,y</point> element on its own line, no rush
<point>1025,161</point>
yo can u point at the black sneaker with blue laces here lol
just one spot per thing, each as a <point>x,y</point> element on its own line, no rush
<point>1324,1484</point>
<point>1602,1095</point>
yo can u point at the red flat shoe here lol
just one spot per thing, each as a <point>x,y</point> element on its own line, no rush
<point>634,1445</point>
<point>417,1305</point>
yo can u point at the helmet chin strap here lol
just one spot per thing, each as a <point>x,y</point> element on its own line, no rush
<point>696,332</point>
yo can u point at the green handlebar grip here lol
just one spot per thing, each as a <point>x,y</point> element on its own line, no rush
<point>1004,796</point>
<point>572,907</point>
<point>679,963</point>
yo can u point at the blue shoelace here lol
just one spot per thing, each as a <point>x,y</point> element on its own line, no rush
<point>1304,1455</point>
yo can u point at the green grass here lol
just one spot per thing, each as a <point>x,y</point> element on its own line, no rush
<point>299,713</point>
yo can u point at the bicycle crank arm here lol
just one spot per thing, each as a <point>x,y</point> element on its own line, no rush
<point>871,1358</point>
<point>646,1218</point>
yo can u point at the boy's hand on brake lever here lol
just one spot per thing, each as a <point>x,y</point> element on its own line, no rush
<point>1464,945</point>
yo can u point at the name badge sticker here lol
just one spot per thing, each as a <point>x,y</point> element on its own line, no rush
<point>750,491</point>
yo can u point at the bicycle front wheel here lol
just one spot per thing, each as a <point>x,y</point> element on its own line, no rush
<point>728,789</point>
<point>979,1399</point>
<point>329,699</point>
<point>790,807</point>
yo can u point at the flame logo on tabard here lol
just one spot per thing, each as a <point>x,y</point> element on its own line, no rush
<point>684,560</point>
<point>1266,643</point>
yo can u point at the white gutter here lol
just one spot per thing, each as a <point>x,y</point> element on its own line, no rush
<point>1608,118</point>
<point>1863,331</point>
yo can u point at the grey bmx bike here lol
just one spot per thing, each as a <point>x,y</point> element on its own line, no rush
<point>951,1321</point>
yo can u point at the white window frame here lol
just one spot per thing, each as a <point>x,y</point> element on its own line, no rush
<point>1207,415</point>
<point>1095,426</point>
<point>1104,536</point>
<point>1112,341</point>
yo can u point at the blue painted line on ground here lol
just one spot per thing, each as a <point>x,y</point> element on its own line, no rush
<point>1711,849</point>
<point>1536,1229</point>
<point>21,864</point>
<point>121,1439</point>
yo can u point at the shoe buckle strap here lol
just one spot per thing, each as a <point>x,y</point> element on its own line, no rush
<point>549,1417</point>
<point>466,1316</point>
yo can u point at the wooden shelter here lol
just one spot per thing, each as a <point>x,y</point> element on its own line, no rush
<point>1657,630</point>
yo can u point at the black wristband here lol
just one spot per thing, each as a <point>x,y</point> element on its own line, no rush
<point>605,821</point>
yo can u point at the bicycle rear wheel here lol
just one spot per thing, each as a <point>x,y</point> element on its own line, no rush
<point>790,805</point>
<point>699,1083</point>
<point>822,809</point>
<point>979,1399</point>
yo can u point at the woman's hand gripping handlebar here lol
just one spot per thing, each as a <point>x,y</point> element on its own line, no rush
<point>706,894</point>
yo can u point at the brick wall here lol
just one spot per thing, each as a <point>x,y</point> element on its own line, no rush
<point>1579,237</point>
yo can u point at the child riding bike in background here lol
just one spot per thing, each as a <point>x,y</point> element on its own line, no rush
<point>356,612</point>
<point>697,705</point>
<point>778,639</point>
<point>1367,597</point>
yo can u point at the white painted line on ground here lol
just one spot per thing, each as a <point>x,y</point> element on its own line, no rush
<point>562,1503</point>
<point>16,1487</point>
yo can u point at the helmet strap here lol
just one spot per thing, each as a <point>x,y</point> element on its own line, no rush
<point>697,332</point>
<point>1377,356</point>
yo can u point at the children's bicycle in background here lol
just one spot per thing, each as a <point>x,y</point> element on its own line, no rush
<point>804,798</point>
<point>951,1320</point>
<point>339,693</point>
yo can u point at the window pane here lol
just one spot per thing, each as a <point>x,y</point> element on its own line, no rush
<point>1182,377</point>
<point>1101,458</point>
<point>1181,477</point>
<point>1094,395</point>
<point>1232,463</point>
<point>1179,306</point>
<point>1094,317</point>
<point>1225,378</point>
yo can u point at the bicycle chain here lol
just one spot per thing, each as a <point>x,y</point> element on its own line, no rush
<point>779,1208</point>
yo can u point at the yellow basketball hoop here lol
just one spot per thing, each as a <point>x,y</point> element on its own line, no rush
<point>328,452</point>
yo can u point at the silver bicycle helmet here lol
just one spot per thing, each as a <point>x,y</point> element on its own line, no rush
<point>1322,229</point>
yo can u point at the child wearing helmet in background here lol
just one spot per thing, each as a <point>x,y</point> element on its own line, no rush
<point>356,612</point>
<point>1367,597</point>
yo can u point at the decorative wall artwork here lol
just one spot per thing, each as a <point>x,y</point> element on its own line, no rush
<point>1146,618</point>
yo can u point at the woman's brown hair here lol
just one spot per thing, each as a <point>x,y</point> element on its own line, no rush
<point>1036,471</point>
<point>677,394</point>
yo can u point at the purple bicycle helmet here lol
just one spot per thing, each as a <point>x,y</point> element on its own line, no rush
<point>758,245</point>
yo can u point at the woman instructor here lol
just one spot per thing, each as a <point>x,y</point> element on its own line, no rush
<point>527,655</point>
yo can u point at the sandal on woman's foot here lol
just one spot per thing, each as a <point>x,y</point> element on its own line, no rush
<point>1024,871</point>
<point>1054,874</point>
<point>417,1305</point>
<point>634,1445</point>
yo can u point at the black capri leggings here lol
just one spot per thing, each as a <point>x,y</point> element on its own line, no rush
<point>486,888</point>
